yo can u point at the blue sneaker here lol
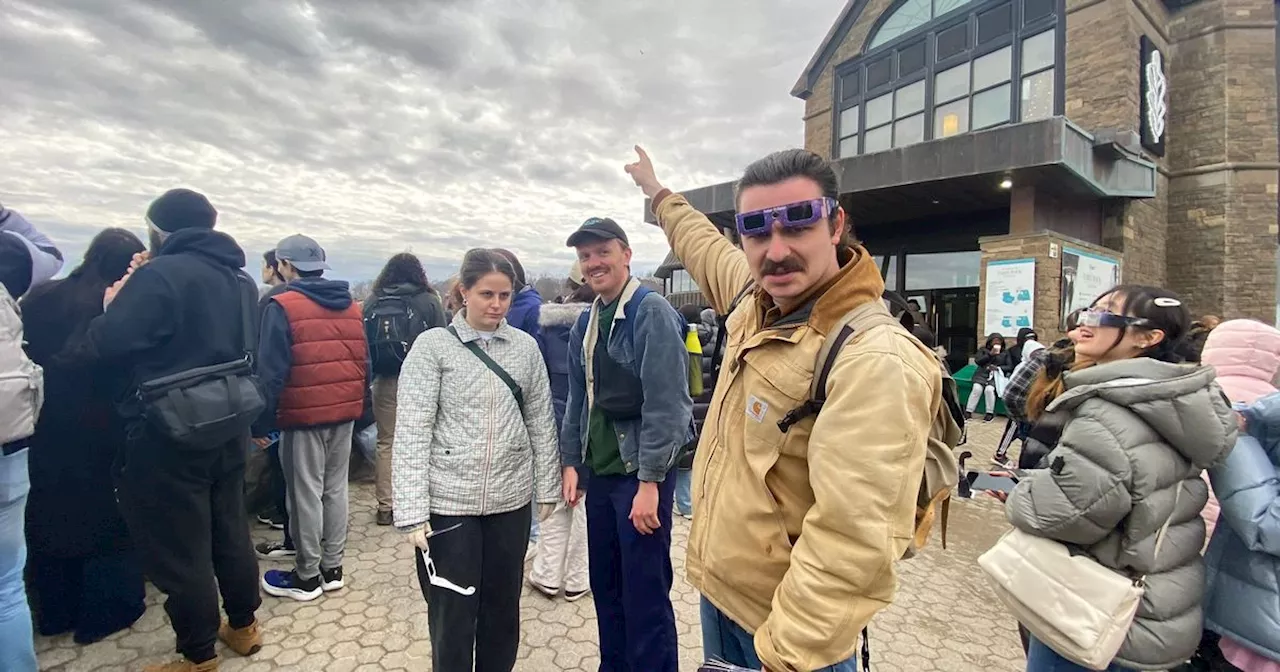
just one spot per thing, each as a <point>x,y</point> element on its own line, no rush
<point>287,584</point>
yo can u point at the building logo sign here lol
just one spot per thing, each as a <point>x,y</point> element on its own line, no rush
<point>1155,97</point>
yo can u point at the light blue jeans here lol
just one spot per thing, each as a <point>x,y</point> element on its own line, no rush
<point>684,492</point>
<point>1041,658</point>
<point>725,640</point>
<point>17,643</point>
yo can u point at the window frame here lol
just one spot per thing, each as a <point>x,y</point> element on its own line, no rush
<point>967,15</point>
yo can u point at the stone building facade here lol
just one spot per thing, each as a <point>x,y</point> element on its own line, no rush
<point>965,131</point>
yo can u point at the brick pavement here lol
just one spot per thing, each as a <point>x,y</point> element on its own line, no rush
<point>944,618</point>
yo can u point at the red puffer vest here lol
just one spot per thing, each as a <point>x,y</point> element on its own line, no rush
<point>326,383</point>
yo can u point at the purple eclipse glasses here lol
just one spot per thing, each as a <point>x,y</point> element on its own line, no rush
<point>790,216</point>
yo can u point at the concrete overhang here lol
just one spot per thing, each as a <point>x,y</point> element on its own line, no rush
<point>962,173</point>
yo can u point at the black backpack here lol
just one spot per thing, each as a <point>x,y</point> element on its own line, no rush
<point>391,326</point>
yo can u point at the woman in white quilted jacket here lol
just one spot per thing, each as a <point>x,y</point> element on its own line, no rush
<point>475,445</point>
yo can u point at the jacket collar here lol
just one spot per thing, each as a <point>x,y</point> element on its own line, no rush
<point>623,299</point>
<point>468,333</point>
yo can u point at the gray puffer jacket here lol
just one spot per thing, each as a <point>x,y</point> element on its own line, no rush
<point>1137,431</point>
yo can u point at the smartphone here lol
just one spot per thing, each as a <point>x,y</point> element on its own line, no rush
<point>981,480</point>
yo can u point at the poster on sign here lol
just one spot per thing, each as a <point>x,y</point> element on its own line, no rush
<point>1085,277</point>
<point>1011,290</point>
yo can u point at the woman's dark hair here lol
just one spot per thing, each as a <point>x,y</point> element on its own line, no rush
<point>479,262</point>
<point>402,269</point>
<point>519,281</point>
<point>992,339</point>
<point>108,256</point>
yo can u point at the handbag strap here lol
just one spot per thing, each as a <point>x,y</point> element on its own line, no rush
<point>248,320</point>
<point>494,367</point>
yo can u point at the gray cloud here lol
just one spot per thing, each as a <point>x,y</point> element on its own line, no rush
<point>387,125</point>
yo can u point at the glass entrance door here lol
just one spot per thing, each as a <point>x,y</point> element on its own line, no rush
<point>952,315</point>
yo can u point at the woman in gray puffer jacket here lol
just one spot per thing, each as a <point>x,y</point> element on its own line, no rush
<point>1140,428</point>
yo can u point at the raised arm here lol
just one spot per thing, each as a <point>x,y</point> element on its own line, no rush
<point>716,264</point>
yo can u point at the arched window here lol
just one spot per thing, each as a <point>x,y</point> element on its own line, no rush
<point>911,15</point>
<point>993,62</point>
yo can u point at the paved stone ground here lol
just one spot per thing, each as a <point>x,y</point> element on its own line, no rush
<point>945,617</point>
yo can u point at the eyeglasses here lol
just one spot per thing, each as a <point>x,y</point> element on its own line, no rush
<point>792,216</point>
<point>1104,318</point>
<point>437,580</point>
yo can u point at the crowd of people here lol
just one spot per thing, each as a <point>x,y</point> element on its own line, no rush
<point>809,455</point>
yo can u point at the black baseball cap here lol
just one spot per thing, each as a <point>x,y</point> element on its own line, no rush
<point>600,228</point>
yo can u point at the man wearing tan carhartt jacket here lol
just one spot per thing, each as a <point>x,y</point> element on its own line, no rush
<point>795,534</point>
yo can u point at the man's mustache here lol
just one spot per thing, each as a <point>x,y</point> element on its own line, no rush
<point>788,265</point>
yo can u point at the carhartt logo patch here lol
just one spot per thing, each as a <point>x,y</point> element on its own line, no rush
<point>756,409</point>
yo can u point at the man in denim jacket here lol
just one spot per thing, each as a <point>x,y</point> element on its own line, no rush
<point>628,415</point>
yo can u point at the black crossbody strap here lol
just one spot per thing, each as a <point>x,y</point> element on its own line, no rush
<point>494,367</point>
<point>248,316</point>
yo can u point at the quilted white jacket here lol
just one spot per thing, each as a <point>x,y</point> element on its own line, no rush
<point>462,447</point>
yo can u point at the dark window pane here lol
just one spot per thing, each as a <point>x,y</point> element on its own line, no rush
<point>911,59</point>
<point>879,73</point>
<point>1036,9</point>
<point>991,107</point>
<point>943,270</point>
<point>849,84</point>
<point>953,41</point>
<point>994,23</point>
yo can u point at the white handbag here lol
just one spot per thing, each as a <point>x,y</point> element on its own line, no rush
<point>1071,603</point>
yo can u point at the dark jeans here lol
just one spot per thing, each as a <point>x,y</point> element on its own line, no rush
<point>631,577</point>
<point>722,639</point>
<point>186,513</point>
<point>93,595</point>
<point>279,491</point>
<point>1041,658</point>
<point>482,629</point>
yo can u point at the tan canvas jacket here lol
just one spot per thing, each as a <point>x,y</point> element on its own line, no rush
<point>796,534</point>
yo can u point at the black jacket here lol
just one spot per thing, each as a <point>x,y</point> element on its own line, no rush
<point>988,362</point>
<point>178,312</point>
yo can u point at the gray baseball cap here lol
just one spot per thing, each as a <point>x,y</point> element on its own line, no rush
<point>304,253</point>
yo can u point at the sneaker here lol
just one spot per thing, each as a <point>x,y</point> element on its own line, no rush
<point>331,579</point>
<point>184,665</point>
<point>385,518</point>
<point>988,417</point>
<point>288,584</point>
<point>686,516</point>
<point>245,641</point>
<point>274,550</point>
<point>272,520</point>
<point>575,595</point>
<point>545,590</point>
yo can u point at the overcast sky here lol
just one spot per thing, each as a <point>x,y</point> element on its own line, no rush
<point>378,126</point>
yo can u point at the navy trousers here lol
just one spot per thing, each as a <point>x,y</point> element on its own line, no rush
<point>631,578</point>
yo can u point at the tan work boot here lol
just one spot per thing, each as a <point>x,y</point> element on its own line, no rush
<point>184,665</point>
<point>245,641</point>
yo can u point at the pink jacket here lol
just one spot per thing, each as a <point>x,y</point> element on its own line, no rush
<point>1246,356</point>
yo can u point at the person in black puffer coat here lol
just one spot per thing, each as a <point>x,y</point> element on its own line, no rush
<point>991,358</point>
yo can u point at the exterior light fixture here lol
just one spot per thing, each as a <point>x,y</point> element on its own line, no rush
<point>1006,183</point>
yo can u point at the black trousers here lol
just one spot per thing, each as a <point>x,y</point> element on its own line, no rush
<point>480,632</point>
<point>279,491</point>
<point>186,513</point>
<point>94,595</point>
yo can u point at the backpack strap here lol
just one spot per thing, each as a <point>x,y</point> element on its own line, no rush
<point>494,367</point>
<point>856,321</point>
<point>248,314</point>
<point>722,333</point>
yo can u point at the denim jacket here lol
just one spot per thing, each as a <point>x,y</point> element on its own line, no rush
<point>655,349</point>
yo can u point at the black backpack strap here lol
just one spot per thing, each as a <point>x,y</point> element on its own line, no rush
<point>866,648</point>
<point>819,394</point>
<point>494,367</point>
<point>248,314</point>
<point>717,351</point>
